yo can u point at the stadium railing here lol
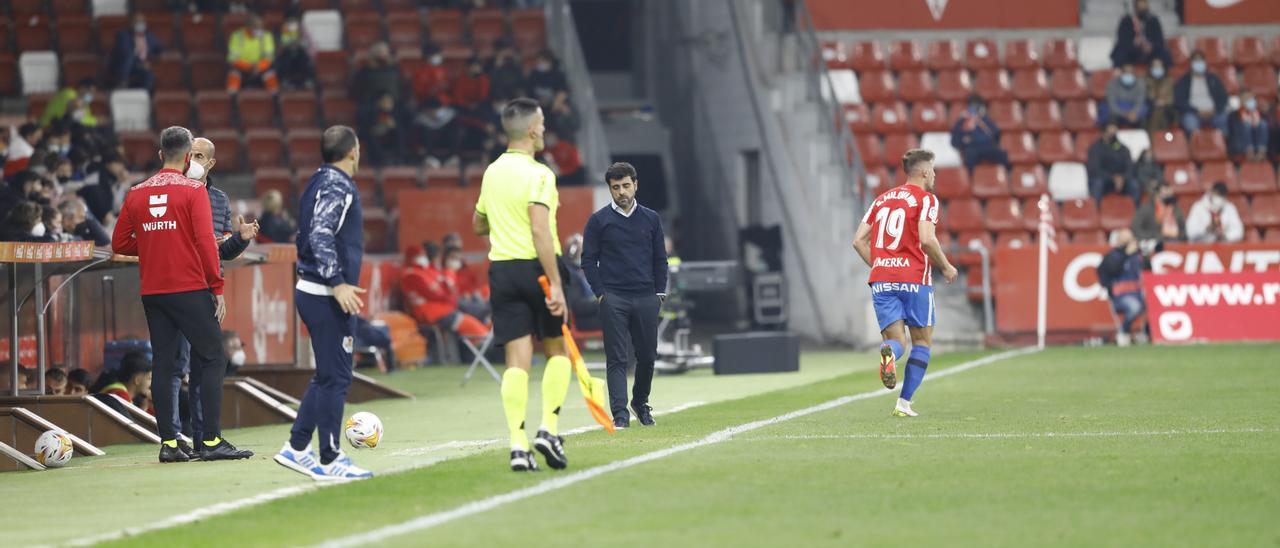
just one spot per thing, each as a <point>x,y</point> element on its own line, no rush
<point>562,38</point>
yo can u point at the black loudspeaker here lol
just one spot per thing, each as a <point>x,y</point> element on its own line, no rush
<point>757,352</point>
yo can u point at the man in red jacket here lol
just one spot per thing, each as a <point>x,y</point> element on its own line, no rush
<point>165,223</point>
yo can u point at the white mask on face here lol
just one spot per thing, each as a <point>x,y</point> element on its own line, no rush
<point>421,261</point>
<point>1216,202</point>
<point>38,230</point>
<point>237,358</point>
<point>453,264</point>
<point>195,171</point>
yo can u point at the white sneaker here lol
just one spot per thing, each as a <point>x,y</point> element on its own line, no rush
<point>303,462</point>
<point>342,469</point>
<point>903,409</point>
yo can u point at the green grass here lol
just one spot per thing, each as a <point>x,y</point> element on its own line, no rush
<point>1150,446</point>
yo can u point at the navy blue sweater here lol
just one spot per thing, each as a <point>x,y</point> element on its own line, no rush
<point>625,255</point>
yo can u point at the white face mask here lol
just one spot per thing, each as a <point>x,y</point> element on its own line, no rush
<point>195,171</point>
<point>453,264</point>
<point>38,230</point>
<point>1216,202</point>
<point>237,358</point>
<point>421,261</point>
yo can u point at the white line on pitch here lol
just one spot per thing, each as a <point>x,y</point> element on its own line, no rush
<point>483,505</point>
<point>1017,435</point>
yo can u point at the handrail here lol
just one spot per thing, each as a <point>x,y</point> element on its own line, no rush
<point>820,82</point>
<point>562,38</point>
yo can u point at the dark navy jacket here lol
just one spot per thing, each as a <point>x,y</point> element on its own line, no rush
<point>625,255</point>
<point>330,229</point>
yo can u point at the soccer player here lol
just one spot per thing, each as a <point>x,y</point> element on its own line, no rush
<point>517,210</point>
<point>330,249</point>
<point>897,239</point>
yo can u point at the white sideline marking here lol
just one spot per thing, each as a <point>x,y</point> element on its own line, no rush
<point>1020,435</point>
<point>431,520</point>
<point>283,492</point>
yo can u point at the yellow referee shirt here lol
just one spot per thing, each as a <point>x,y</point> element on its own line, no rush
<point>511,183</point>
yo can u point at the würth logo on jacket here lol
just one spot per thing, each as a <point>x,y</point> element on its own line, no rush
<point>159,204</point>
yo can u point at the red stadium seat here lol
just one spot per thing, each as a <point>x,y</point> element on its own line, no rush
<point>75,35</point>
<point>1080,115</point>
<point>1220,171</point>
<point>257,108</point>
<point>1098,81</point>
<point>877,180</point>
<point>835,54</point>
<point>377,230</point>
<point>442,177</point>
<point>965,257</point>
<point>889,117</point>
<point>1230,80</point>
<point>139,149</point>
<point>298,109</point>
<point>876,87</point>
<point>1089,237</point>
<point>200,34</point>
<point>858,117</point>
<point>1007,115</point>
<point>108,26</point>
<point>1067,84</point>
<point>1208,145</point>
<point>870,150</point>
<point>445,27</point>
<point>273,178</point>
<point>361,30</point>
<point>1029,181</point>
<point>1084,140</point>
<point>1266,211</point>
<point>214,109</point>
<point>1031,214</point>
<point>1257,178</point>
<point>1116,212</point>
<point>1060,53</point>
<point>265,148</point>
<point>208,71</point>
<point>1003,214</point>
<point>1273,50</point>
<point>1080,215</point>
<point>36,103</point>
<point>1179,50</point>
<point>337,108</point>
<point>1055,146</point>
<point>915,85</point>
<point>304,148</point>
<point>331,69</point>
<point>228,149</point>
<point>1248,50</point>
<point>487,26</point>
<point>33,33</point>
<point>897,144</point>
<point>867,56</point>
<point>929,116</point>
<point>529,29</point>
<point>78,66</point>
<point>992,84</point>
<point>404,29</point>
<point>1015,239</point>
<point>1044,116</point>
<point>351,6</point>
<point>8,75</point>
<point>161,24</point>
<point>409,59</point>
<point>981,53</point>
<point>171,108</point>
<point>1215,51</point>
<point>963,214</point>
<point>990,181</point>
<point>1183,178</point>
<point>1261,80</point>
<point>1019,146</point>
<point>1169,146</point>
<point>1021,54</point>
<point>168,69</point>
<point>905,55</point>
<point>1030,85</point>
<point>72,8</point>
<point>395,179</point>
<point>367,185</point>
<point>150,7</point>
<point>1271,235</point>
<point>945,55</point>
<point>954,85</point>
<point>952,182</point>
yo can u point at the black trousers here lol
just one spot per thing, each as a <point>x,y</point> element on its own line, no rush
<point>170,317</point>
<point>630,322</point>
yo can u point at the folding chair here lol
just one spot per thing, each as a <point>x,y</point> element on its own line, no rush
<point>479,358</point>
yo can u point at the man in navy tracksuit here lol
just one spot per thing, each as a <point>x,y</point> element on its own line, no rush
<point>624,257</point>
<point>330,248</point>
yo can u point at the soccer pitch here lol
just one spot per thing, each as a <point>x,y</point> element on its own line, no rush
<point>1146,446</point>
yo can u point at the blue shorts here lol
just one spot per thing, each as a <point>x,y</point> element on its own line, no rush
<point>903,301</point>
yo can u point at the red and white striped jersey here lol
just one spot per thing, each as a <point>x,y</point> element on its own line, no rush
<point>896,255</point>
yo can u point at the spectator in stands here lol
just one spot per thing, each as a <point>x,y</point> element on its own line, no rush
<point>384,127</point>
<point>564,160</point>
<point>78,381</point>
<point>375,334</point>
<point>562,117</point>
<point>130,384</point>
<point>506,77</point>
<point>1147,172</point>
<point>546,80</point>
<point>1110,167</point>
<point>250,53</point>
<point>431,80</point>
<point>977,137</point>
<point>1213,218</point>
<point>276,225</point>
<point>438,133</point>
<point>581,300</point>
<point>432,296</point>
<point>105,191</point>
<point>1159,218</point>
<point>131,58</point>
<point>379,76</point>
<point>72,105</point>
<point>1121,273</point>
<point>23,224</point>
<point>23,186</point>
<point>293,62</point>
<point>1159,97</point>
<point>233,348</point>
<point>1126,99</point>
<point>1200,96</point>
<point>55,382</point>
<point>1248,133</point>
<point>1139,39</point>
<point>471,91</point>
<point>474,299</point>
<point>52,220</point>
<point>76,221</point>
<point>22,145</point>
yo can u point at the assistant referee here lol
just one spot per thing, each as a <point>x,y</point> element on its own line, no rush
<point>517,210</point>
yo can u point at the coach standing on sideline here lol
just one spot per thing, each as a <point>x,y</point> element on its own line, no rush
<point>165,222</point>
<point>330,250</point>
<point>624,256</point>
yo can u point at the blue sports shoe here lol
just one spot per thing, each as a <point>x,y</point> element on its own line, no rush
<point>303,462</point>
<point>342,469</point>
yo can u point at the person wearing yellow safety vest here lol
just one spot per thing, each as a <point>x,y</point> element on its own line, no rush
<point>250,54</point>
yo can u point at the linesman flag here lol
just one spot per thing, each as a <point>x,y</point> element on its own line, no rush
<point>593,389</point>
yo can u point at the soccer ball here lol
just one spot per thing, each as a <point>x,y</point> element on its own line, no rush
<point>54,449</point>
<point>364,430</point>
